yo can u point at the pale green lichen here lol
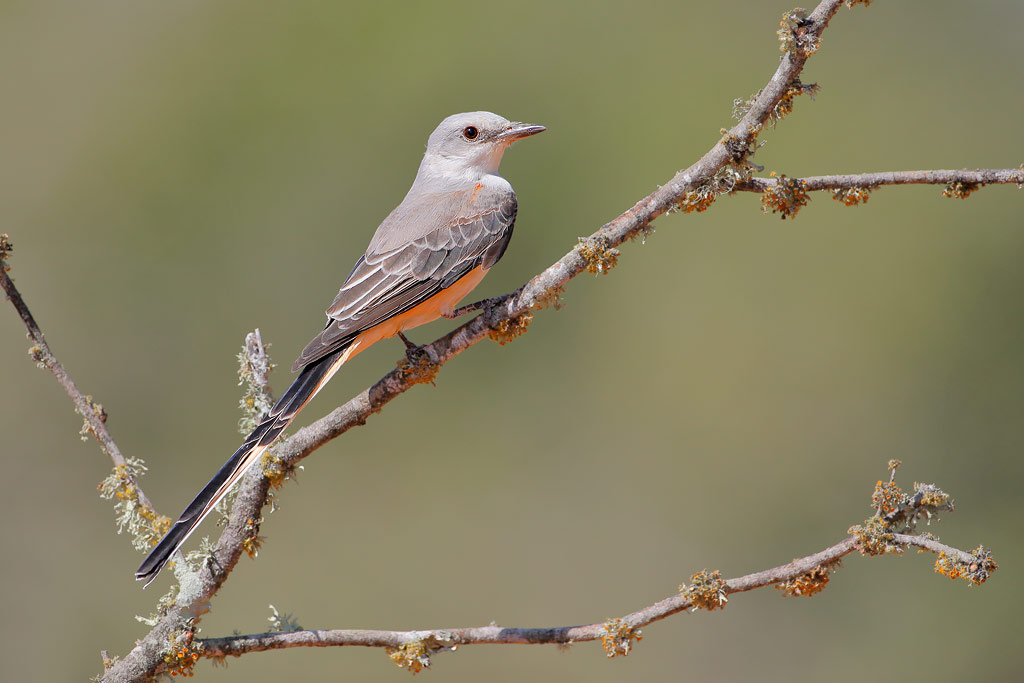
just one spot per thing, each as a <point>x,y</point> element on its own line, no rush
<point>141,522</point>
<point>282,623</point>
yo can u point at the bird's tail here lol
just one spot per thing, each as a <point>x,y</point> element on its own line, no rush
<point>306,385</point>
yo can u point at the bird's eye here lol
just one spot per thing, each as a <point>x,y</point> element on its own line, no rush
<point>470,132</point>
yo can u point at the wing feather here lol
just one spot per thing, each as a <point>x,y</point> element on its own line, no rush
<point>389,282</point>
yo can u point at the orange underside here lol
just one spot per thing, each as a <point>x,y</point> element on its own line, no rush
<point>430,310</point>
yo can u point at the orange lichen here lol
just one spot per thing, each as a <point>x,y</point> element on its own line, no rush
<point>808,583</point>
<point>975,572</point>
<point>618,638</point>
<point>787,196</point>
<point>707,591</point>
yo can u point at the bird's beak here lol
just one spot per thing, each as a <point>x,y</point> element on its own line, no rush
<point>518,131</point>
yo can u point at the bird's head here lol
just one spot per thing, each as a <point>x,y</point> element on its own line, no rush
<point>473,143</point>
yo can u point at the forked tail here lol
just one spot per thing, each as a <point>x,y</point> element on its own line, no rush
<point>305,386</point>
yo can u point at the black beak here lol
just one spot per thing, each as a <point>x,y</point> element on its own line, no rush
<point>518,131</point>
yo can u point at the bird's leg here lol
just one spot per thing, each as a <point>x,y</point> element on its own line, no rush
<point>411,349</point>
<point>486,305</point>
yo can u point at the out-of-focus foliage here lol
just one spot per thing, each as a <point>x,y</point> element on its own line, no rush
<point>175,174</point>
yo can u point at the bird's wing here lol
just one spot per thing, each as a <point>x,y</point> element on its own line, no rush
<point>389,281</point>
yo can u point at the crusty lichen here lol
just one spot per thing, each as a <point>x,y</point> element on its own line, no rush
<point>787,196</point>
<point>707,191</point>
<point>282,623</point>
<point>809,583</point>
<point>598,255</point>
<point>707,591</point>
<point>851,196</point>
<point>960,190</point>
<point>182,652</point>
<point>414,656</point>
<point>782,108</point>
<point>508,330</point>
<point>617,637</point>
<point>419,369</point>
<point>256,400</point>
<point>795,36</point>
<point>975,572</point>
<point>142,522</point>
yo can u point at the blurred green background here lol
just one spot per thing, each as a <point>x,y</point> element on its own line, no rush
<point>175,174</point>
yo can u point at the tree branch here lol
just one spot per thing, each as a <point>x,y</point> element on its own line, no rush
<point>723,168</point>
<point>450,638</point>
<point>978,176</point>
<point>93,413</point>
<point>896,513</point>
<point>423,643</point>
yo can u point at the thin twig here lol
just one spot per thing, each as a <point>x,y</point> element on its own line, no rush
<point>978,176</point>
<point>238,645</point>
<point>92,412</point>
<point>453,637</point>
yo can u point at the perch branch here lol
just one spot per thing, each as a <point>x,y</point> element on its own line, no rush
<point>502,321</point>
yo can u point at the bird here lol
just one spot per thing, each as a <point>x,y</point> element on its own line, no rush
<point>431,251</point>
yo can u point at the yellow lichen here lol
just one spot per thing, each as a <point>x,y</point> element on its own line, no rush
<point>252,541</point>
<point>415,654</point>
<point>960,190</point>
<point>141,521</point>
<point>183,653</point>
<point>875,537</point>
<point>508,330</point>
<point>598,255</point>
<point>617,637</point>
<point>794,33</point>
<point>808,583</point>
<point>419,370</point>
<point>787,196</point>
<point>975,572</point>
<point>551,297</point>
<point>706,591</point>
<point>851,196</point>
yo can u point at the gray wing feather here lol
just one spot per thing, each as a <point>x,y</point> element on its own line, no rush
<point>389,281</point>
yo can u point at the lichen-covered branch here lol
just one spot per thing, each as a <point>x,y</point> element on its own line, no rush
<point>170,646</point>
<point>444,639</point>
<point>430,641</point>
<point>126,470</point>
<point>786,195</point>
<point>896,512</point>
<point>977,176</point>
<point>92,412</point>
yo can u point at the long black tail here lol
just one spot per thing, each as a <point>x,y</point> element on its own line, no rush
<point>305,386</point>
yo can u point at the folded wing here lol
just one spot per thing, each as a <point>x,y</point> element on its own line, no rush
<point>389,281</point>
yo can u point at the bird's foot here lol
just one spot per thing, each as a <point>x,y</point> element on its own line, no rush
<point>486,305</point>
<point>412,351</point>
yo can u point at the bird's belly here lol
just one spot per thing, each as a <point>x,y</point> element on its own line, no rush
<point>428,311</point>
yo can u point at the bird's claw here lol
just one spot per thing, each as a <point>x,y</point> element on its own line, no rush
<point>411,350</point>
<point>486,305</point>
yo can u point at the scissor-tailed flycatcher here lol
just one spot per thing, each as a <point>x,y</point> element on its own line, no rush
<point>430,252</point>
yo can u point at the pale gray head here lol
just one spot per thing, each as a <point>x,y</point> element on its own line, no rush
<point>471,145</point>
